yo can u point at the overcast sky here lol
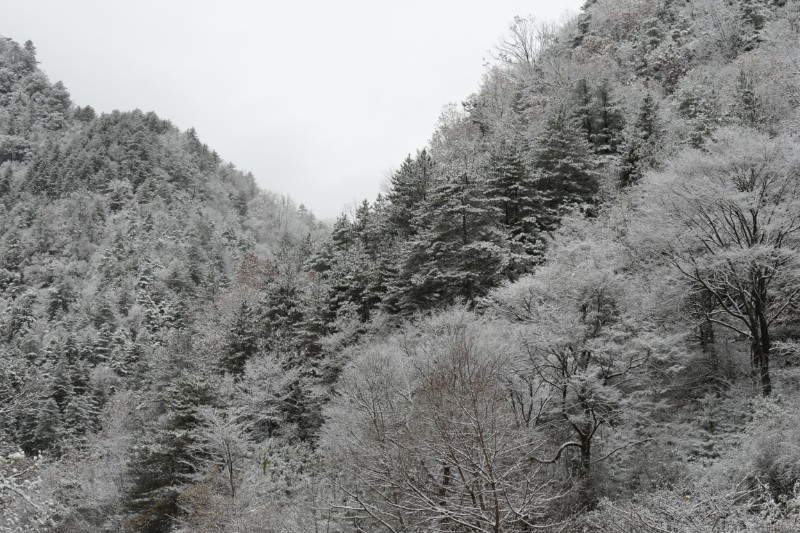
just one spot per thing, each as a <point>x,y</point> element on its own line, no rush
<point>320,100</point>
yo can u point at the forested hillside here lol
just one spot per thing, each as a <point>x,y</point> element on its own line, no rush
<point>576,310</point>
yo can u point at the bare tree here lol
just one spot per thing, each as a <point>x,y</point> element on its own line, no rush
<point>427,438</point>
<point>734,215</point>
<point>526,40</point>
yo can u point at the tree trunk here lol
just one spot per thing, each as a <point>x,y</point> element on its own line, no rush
<point>760,356</point>
<point>707,344</point>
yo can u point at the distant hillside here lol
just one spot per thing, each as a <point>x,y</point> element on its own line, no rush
<point>120,236</point>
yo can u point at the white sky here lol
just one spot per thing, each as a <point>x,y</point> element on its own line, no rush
<point>320,100</point>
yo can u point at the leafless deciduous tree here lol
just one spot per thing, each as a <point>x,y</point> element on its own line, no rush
<point>728,218</point>
<point>526,40</point>
<point>426,437</point>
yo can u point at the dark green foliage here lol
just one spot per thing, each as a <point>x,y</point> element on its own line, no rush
<point>599,116</point>
<point>754,15</point>
<point>460,251</point>
<point>564,172</point>
<point>242,341</point>
<point>162,460</point>
<point>409,188</point>
<point>641,146</point>
<point>608,121</point>
<point>512,188</point>
<point>747,107</point>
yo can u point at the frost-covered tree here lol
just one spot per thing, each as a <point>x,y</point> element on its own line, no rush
<point>728,219</point>
<point>423,435</point>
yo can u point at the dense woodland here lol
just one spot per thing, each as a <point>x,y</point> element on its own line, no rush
<point>576,310</point>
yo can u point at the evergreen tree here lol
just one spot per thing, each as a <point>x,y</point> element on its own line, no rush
<point>641,145</point>
<point>48,426</point>
<point>342,232</point>
<point>565,176</point>
<point>61,386</point>
<point>70,350</point>
<point>60,298</point>
<point>101,350</point>
<point>584,111</point>
<point>584,22</point>
<point>242,342</point>
<point>754,15</point>
<point>408,189</point>
<point>609,123</point>
<point>747,106</point>
<point>12,251</point>
<point>6,177</point>
<point>162,462</point>
<point>460,253</point>
<point>512,188</point>
<point>80,416</point>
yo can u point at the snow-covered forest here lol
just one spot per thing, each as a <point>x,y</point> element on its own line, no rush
<point>576,310</point>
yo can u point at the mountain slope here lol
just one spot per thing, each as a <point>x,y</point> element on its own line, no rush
<point>575,310</point>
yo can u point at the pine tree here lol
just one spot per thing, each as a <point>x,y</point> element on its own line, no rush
<point>565,176</point>
<point>584,22</point>
<point>61,389</point>
<point>408,189</point>
<point>48,426</point>
<point>60,298</point>
<point>80,416</point>
<point>101,349</point>
<point>317,316</point>
<point>641,145</point>
<point>242,342</point>
<point>584,111</point>
<point>460,253</point>
<point>162,461</point>
<point>350,277</point>
<point>748,106</point>
<point>6,177</point>
<point>342,232</point>
<point>609,123</point>
<point>512,189</point>
<point>754,15</point>
<point>104,315</point>
<point>12,252</point>
<point>70,350</point>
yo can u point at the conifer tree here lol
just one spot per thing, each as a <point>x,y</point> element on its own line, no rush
<point>754,15</point>
<point>101,350</point>
<point>48,426</point>
<point>584,108</point>
<point>80,416</point>
<point>161,462</point>
<point>639,152</point>
<point>5,181</point>
<point>565,176</point>
<point>242,342</point>
<point>748,106</point>
<point>512,188</point>
<point>342,232</point>
<point>61,389</point>
<point>408,189</point>
<point>461,252</point>
<point>609,123</point>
